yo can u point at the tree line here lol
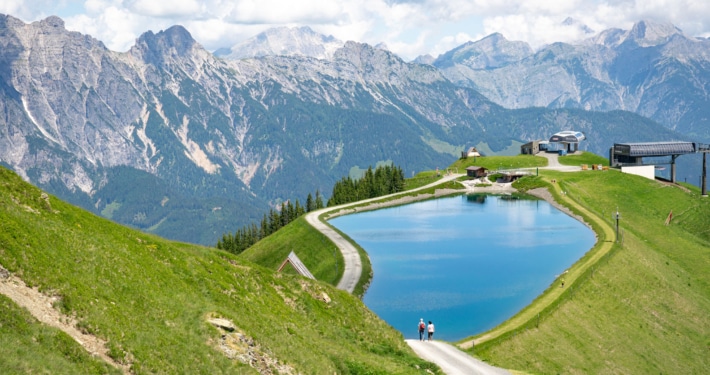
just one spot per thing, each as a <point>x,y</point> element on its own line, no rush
<point>383,180</point>
<point>250,234</point>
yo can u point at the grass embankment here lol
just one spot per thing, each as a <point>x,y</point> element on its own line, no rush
<point>29,347</point>
<point>640,309</point>
<point>493,163</point>
<point>315,250</point>
<point>150,298</point>
<point>587,158</point>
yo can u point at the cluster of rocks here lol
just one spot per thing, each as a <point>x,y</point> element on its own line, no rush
<point>239,347</point>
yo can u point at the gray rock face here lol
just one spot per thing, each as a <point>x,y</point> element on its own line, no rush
<point>652,69</point>
<point>492,51</point>
<point>284,41</point>
<point>198,126</point>
<point>170,139</point>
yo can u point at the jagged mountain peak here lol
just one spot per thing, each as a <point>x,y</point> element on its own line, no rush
<point>644,33</point>
<point>651,33</point>
<point>52,22</point>
<point>609,37</point>
<point>51,27</point>
<point>424,59</point>
<point>285,41</point>
<point>153,48</point>
<point>175,37</point>
<point>362,54</point>
<point>8,21</point>
<point>490,52</point>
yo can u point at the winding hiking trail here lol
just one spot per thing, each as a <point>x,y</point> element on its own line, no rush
<point>352,270</point>
<point>448,357</point>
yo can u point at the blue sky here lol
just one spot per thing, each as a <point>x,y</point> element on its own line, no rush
<point>408,27</point>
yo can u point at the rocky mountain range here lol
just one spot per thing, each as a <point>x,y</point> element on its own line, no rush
<point>284,41</point>
<point>653,69</point>
<point>173,140</point>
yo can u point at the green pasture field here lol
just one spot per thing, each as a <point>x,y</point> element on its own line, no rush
<point>641,307</point>
<point>150,299</point>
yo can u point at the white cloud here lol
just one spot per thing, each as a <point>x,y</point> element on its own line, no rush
<point>171,8</point>
<point>118,28</point>
<point>13,7</point>
<point>408,27</point>
<point>283,12</point>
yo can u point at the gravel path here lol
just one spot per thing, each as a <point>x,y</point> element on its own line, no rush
<point>353,264</point>
<point>449,358</point>
<point>352,270</point>
<point>452,360</point>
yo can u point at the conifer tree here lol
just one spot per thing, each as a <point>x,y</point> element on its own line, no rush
<point>319,200</point>
<point>310,204</point>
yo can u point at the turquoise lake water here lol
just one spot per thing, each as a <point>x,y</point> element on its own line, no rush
<point>467,263</point>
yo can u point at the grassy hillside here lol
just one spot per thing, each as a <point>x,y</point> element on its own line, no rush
<point>644,307</point>
<point>583,158</point>
<point>314,249</point>
<point>499,162</point>
<point>150,299</point>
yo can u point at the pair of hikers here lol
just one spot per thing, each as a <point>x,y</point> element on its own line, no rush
<point>428,328</point>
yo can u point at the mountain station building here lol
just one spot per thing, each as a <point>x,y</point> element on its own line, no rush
<point>567,141</point>
<point>564,142</point>
<point>632,154</point>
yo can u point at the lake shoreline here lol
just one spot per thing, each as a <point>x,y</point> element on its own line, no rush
<point>373,236</point>
<point>438,193</point>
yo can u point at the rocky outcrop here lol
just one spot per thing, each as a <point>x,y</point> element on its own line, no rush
<point>170,139</point>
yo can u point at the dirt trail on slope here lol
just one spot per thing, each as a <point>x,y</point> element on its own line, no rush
<point>41,307</point>
<point>352,269</point>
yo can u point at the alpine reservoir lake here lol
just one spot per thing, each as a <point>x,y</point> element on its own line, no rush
<point>467,262</point>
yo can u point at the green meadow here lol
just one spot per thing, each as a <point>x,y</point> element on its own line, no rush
<point>150,299</point>
<point>633,305</point>
<point>636,304</point>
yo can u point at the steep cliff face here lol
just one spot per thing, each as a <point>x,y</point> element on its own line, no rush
<point>166,132</point>
<point>652,69</point>
<point>171,139</point>
<point>75,112</point>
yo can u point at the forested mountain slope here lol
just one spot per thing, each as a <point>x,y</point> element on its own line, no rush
<point>172,140</point>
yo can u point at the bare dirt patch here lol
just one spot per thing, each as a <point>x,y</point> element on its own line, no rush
<point>41,307</point>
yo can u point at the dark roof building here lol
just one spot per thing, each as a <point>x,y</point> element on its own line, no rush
<point>648,149</point>
<point>533,147</point>
<point>475,172</point>
<point>625,154</point>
